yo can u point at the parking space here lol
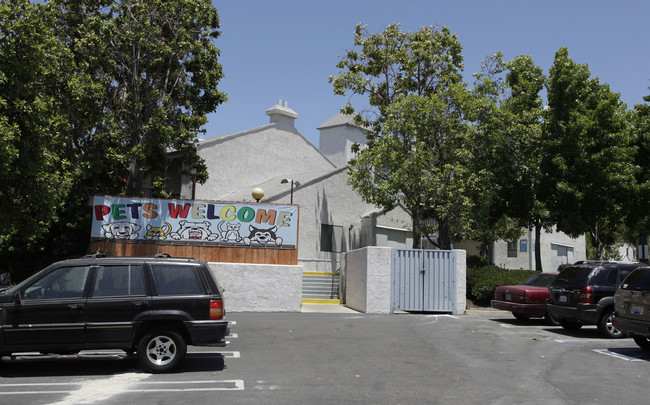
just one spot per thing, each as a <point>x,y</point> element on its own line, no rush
<point>586,338</point>
<point>332,358</point>
<point>104,374</point>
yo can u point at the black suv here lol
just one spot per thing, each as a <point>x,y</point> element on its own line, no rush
<point>150,306</point>
<point>583,294</point>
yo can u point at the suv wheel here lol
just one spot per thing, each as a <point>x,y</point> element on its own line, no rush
<point>568,324</point>
<point>643,342</point>
<point>606,327</point>
<point>161,351</point>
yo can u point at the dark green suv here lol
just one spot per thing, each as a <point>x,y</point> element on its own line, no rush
<point>149,306</point>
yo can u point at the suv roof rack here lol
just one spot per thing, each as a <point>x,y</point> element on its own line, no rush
<point>94,255</point>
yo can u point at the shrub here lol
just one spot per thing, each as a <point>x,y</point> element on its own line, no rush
<point>481,281</point>
<point>476,261</point>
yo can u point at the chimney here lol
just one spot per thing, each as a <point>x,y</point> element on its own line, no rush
<point>282,114</point>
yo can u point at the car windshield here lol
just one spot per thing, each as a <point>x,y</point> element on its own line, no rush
<point>540,280</point>
<point>639,279</point>
<point>573,277</point>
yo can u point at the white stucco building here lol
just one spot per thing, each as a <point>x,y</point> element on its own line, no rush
<point>333,218</point>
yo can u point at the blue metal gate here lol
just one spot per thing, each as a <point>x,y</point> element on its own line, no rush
<point>424,280</point>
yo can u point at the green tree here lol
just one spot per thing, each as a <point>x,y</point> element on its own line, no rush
<point>638,218</point>
<point>588,160</point>
<point>420,143</point>
<point>156,67</point>
<point>93,95</point>
<point>510,111</point>
<point>34,169</point>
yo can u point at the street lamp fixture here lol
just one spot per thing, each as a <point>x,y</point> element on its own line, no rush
<point>293,183</point>
<point>258,194</point>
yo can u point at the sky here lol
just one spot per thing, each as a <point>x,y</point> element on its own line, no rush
<point>287,49</point>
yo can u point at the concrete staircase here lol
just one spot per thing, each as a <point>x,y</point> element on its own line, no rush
<point>320,288</point>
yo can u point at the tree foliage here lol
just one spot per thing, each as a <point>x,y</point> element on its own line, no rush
<point>509,121</point>
<point>33,164</point>
<point>588,164</point>
<point>93,96</point>
<point>419,145</point>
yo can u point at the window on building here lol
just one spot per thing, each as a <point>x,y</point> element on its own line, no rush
<point>331,238</point>
<point>523,245</point>
<point>512,249</point>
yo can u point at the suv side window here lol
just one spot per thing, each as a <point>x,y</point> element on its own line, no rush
<point>638,280</point>
<point>176,280</point>
<point>64,282</point>
<point>612,277</point>
<point>119,280</point>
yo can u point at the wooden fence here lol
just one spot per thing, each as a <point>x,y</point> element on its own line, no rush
<point>207,253</point>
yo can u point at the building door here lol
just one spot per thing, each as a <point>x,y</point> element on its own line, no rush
<point>560,255</point>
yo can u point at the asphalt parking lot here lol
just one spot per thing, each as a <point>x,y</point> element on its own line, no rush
<point>345,357</point>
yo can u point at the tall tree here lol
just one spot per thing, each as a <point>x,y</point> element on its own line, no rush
<point>638,218</point>
<point>157,67</point>
<point>588,160</point>
<point>93,94</point>
<point>33,168</point>
<point>418,152</point>
<point>509,121</point>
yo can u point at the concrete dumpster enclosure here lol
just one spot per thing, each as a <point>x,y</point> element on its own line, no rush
<point>385,280</point>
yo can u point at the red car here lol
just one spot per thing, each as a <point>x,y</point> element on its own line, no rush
<point>527,300</point>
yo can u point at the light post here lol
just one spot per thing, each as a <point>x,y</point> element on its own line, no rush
<point>285,181</point>
<point>193,173</point>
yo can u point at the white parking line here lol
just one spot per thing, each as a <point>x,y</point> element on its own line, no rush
<point>217,385</point>
<point>618,355</point>
<point>578,341</point>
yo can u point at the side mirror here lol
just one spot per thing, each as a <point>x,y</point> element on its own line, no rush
<point>17,298</point>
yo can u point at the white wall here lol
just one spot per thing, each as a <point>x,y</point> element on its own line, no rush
<point>259,287</point>
<point>368,280</point>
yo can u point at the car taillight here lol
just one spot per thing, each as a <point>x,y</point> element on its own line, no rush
<point>525,298</point>
<point>586,296</point>
<point>216,309</point>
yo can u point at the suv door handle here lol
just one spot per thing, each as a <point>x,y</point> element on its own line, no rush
<point>139,305</point>
<point>77,307</point>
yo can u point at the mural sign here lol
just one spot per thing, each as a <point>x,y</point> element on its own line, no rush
<point>221,223</point>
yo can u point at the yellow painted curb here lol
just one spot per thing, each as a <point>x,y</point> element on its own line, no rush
<point>320,301</point>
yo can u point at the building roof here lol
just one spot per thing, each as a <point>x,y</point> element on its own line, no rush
<point>338,120</point>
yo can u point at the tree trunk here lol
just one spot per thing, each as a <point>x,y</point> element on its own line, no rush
<point>444,239</point>
<point>417,229</point>
<point>538,247</point>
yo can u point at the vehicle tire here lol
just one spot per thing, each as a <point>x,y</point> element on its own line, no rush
<point>568,324</point>
<point>161,351</point>
<point>550,319</point>
<point>606,327</point>
<point>521,317</point>
<point>643,342</point>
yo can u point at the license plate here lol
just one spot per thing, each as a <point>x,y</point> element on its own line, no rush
<point>508,297</point>
<point>563,298</point>
<point>636,310</point>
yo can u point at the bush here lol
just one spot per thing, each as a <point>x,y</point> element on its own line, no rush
<point>481,281</point>
<point>476,261</point>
